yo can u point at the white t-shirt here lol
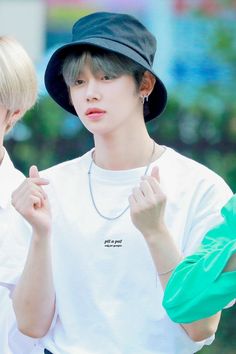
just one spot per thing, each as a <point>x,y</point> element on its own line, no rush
<point>11,251</point>
<point>108,296</point>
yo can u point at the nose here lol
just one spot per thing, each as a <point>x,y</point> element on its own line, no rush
<point>93,92</point>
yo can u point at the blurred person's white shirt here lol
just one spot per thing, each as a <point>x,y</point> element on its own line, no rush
<point>11,340</point>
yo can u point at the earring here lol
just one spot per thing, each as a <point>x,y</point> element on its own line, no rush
<point>144,98</point>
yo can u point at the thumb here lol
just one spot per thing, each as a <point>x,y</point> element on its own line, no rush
<point>33,172</point>
<point>155,173</point>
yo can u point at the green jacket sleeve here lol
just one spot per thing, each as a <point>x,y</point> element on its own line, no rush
<point>198,288</point>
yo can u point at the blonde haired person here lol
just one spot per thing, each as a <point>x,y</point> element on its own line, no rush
<point>18,93</point>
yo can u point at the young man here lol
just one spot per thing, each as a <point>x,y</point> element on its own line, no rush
<point>205,282</point>
<point>112,224</point>
<point>18,92</point>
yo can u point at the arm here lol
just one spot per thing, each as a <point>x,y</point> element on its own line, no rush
<point>34,296</point>
<point>166,256</point>
<point>147,205</point>
<point>204,282</point>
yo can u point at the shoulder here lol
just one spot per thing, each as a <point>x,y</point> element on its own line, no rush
<point>64,181</point>
<point>192,172</point>
<point>195,186</point>
<point>67,169</point>
<point>184,163</point>
<point>65,177</point>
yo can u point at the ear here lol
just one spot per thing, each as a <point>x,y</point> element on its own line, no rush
<point>147,84</point>
<point>12,118</point>
<point>15,116</point>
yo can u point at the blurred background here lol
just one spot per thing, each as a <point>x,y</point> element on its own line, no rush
<point>196,58</point>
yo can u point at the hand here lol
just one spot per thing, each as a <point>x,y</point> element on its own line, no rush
<point>147,205</point>
<point>31,201</point>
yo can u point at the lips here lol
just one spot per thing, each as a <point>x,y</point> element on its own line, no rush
<point>95,114</point>
<point>91,111</point>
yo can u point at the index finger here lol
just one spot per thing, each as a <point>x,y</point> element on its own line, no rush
<point>39,181</point>
<point>33,172</point>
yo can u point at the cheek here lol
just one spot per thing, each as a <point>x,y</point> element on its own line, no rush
<point>75,99</point>
<point>131,99</point>
<point>73,96</point>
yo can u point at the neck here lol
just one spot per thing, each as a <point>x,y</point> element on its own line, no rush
<point>119,153</point>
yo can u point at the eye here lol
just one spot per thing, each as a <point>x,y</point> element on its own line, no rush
<point>79,82</point>
<point>107,77</point>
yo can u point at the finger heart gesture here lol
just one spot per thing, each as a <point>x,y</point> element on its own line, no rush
<point>31,201</point>
<point>147,204</point>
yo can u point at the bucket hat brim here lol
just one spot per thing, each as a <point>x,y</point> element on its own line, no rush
<point>57,87</point>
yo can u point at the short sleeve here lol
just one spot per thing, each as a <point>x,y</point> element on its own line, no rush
<point>205,212</point>
<point>14,249</point>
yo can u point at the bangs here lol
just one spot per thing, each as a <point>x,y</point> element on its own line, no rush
<point>105,62</point>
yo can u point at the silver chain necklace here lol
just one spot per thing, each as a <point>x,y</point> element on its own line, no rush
<point>91,189</point>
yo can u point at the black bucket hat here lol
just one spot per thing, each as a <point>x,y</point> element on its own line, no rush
<point>119,33</point>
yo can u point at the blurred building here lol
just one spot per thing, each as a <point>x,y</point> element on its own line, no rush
<point>194,38</point>
<point>26,21</point>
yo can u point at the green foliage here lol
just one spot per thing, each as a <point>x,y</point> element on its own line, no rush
<point>48,143</point>
<point>200,133</point>
<point>64,16</point>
